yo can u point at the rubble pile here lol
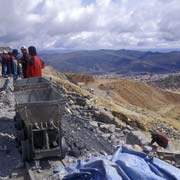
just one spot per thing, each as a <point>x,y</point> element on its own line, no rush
<point>170,132</point>
<point>89,129</point>
<point>9,155</point>
<point>83,138</point>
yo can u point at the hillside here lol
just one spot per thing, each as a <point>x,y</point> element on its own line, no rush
<point>140,94</point>
<point>169,82</point>
<point>125,102</point>
<point>62,80</point>
<point>134,102</point>
<point>79,78</point>
<point>144,99</point>
<point>114,62</point>
<point>93,124</point>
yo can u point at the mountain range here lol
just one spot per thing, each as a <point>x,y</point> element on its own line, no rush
<point>114,62</point>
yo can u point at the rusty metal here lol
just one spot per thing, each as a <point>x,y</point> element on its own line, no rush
<point>40,111</point>
<point>31,83</point>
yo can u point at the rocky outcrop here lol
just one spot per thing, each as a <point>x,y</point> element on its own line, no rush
<point>136,137</point>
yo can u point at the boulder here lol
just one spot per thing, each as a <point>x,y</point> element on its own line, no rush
<point>106,136</point>
<point>80,101</point>
<point>75,113</point>
<point>104,117</point>
<point>107,128</point>
<point>71,102</point>
<point>136,137</point>
<point>126,131</point>
<point>68,110</point>
<point>118,130</point>
<point>128,146</point>
<point>147,149</point>
<point>94,123</point>
<point>129,128</point>
<point>137,147</point>
<point>120,116</point>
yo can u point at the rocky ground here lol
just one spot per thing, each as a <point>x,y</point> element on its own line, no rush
<point>11,165</point>
<point>85,120</point>
<point>88,130</point>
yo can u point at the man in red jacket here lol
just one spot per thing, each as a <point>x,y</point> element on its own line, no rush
<point>35,64</point>
<point>159,139</point>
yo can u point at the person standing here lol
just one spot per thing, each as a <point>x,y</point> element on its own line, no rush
<point>15,63</point>
<point>24,60</point>
<point>9,65</point>
<point>5,62</point>
<point>1,62</point>
<point>35,64</point>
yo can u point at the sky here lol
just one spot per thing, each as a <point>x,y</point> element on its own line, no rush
<point>90,24</point>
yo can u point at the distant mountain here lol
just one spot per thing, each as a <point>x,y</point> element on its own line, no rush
<point>54,51</point>
<point>103,62</point>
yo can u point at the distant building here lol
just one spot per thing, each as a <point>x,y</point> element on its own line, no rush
<point>8,49</point>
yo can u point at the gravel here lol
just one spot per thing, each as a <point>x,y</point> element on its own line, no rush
<point>9,156</point>
<point>88,132</point>
<point>83,138</point>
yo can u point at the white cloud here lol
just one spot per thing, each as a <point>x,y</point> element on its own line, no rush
<point>82,24</point>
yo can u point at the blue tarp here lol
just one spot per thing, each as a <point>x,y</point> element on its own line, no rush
<point>124,164</point>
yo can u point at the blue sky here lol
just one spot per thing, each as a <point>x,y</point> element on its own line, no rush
<point>90,24</point>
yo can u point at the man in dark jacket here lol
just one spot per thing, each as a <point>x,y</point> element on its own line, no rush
<point>159,139</point>
<point>24,60</point>
<point>15,63</point>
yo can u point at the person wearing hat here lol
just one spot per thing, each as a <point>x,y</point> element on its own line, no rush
<point>15,63</point>
<point>160,139</point>
<point>24,60</point>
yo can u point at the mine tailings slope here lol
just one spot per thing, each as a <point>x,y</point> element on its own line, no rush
<point>141,95</point>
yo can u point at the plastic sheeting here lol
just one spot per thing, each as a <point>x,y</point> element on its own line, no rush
<point>124,164</point>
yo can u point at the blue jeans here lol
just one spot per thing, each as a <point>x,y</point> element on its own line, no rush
<point>15,71</point>
<point>4,70</point>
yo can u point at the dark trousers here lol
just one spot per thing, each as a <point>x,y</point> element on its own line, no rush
<point>24,70</point>
<point>9,67</point>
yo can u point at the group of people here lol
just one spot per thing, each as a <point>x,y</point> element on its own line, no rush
<point>25,66</point>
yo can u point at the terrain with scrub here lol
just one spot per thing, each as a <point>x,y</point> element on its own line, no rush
<point>130,101</point>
